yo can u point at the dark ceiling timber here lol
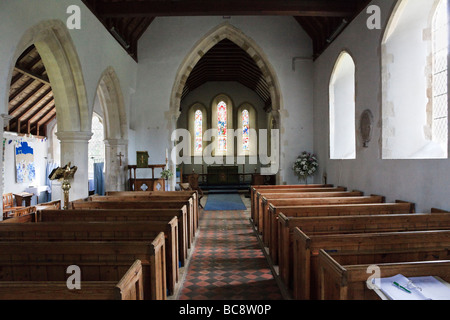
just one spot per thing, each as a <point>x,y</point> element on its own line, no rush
<point>31,102</point>
<point>226,61</point>
<point>317,8</point>
<point>127,20</point>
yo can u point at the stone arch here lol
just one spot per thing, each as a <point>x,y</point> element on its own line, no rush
<point>58,53</point>
<point>112,104</point>
<point>224,31</point>
<point>57,50</point>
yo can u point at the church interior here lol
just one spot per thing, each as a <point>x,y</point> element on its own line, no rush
<point>259,150</point>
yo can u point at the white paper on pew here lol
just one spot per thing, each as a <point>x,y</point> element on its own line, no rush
<point>431,287</point>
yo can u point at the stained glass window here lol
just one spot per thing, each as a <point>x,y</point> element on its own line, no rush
<point>222,125</point>
<point>198,123</point>
<point>245,131</point>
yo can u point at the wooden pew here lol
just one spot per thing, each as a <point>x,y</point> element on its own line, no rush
<point>259,195</point>
<point>376,222</point>
<point>102,231</point>
<point>380,247</point>
<point>119,215</point>
<point>48,281</point>
<point>270,236</point>
<point>174,196</point>
<point>151,204</point>
<point>347,281</point>
<point>151,254</point>
<point>267,198</point>
<point>255,188</point>
<point>188,193</point>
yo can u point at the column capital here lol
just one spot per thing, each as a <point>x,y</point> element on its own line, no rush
<point>116,142</point>
<point>74,136</point>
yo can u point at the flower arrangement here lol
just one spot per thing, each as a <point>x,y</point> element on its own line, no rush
<point>305,165</point>
<point>166,174</point>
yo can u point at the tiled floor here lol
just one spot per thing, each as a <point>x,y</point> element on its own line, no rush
<point>227,262</point>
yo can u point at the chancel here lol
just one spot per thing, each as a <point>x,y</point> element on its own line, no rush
<point>224,150</point>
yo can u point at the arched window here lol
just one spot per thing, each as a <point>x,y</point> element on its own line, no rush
<point>342,109</point>
<point>222,125</point>
<point>96,150</point>
<point>440,80</point>
<point>245,130</point>
<point>414,81</point>
<point>246,135</point>
<point>198,127</point>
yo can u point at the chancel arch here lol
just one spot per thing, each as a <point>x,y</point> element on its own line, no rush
<point>211,39</point>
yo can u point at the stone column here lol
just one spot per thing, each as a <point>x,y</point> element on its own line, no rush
<point>74,149</point>
<point>115,171</point>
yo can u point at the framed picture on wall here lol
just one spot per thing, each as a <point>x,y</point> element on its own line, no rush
<point>25,166</point>
<point>142,159</point>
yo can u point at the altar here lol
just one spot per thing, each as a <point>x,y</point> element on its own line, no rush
<point>223,175</point>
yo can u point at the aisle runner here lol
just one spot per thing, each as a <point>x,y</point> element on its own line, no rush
<point>228,263</point>
<point>224,201</point>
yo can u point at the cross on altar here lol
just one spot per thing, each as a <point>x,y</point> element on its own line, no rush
<point>120,155</point>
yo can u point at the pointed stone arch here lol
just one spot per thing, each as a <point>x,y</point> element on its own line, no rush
<point>225,31</point>
<point>57,50</point>
<point>219,33</point>
<point>58,53</point>
<point>111,99</point>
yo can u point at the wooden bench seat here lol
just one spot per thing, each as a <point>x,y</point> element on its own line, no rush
<point>259,194</point>
<point>255,188</point>
<point>144,204</point>
<point>346,281</point>
<point>267,198</point>
<point>270,230</point>
<point>132,215</point>
<point>191,196</point>
<point>377,247</point>
<point>151,254</point>
<point>103,231</point>
<point>48,281</point>
<point>349,224</point>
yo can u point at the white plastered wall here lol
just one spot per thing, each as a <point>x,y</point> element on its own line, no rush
<point>424,182</point>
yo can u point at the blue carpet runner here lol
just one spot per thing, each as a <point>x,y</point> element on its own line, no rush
<point>224,202</point>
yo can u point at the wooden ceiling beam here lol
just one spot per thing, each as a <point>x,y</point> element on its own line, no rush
<point>47,96</point>
<point>321,8</point>
<point>30,97</point>
<point>32,75</point>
